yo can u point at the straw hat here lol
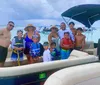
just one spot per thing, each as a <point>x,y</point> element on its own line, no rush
<point>54,27</point>
<point>29,26</point>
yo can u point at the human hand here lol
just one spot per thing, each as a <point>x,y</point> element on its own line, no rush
<point>19,49</point>
<point>10,42</point>
<point>51,50</point>
<point>22,48</point>
<point>67,46</point>
<point>72,45</point>
<point>81,49</point>
<point>37,33</point>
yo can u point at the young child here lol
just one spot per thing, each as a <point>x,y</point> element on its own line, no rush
<point>79,40</point>
<point>35,49</point>
<point>66,44</point>
<point>46,55</point>
<point>55,55</point>
<point>18,45</point>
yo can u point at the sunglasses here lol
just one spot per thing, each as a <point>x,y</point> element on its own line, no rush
<point>11,25</point>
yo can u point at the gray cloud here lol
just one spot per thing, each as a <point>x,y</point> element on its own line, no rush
<point>25,9</point>
<point>62,5</point>
<point>22,11</point>
<point>28,9</point>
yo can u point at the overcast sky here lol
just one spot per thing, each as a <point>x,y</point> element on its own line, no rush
<point>37,12</point>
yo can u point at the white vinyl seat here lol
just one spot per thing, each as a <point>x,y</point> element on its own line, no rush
<point>89,48</point>
<point>88,74</point>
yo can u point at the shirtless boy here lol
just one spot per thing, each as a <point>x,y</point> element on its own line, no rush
<point>79,40</point>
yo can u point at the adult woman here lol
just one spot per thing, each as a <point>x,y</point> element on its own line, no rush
<point>30,31</point>
<point>53,37</point>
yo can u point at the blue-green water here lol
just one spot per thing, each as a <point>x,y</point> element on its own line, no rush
<point>44,36</point>
<point>90,35</point>
<point>93,35</point>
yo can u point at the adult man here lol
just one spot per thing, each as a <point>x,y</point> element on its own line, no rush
<point>63,30</point>
<point>71,26</point>
<point>5,36</point>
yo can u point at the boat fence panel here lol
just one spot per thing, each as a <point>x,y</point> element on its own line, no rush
<point>36,74</point>
<point>88,74</point>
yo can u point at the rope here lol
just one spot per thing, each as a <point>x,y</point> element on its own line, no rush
<point>18,58</point>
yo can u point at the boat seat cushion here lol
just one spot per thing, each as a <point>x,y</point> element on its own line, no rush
<point>91,51</point>
<point>78,53</point>
<point>89,45</point>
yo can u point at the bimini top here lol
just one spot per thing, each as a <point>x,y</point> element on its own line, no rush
<point>86,14</point>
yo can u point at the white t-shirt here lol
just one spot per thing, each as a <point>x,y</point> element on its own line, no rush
<point>61,34</point>
<point>46,56</point>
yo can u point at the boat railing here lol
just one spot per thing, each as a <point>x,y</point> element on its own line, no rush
<point>45,66</point>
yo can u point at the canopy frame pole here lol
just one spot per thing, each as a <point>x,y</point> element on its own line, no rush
<point>89,28</point>
<point>73,16</point>
<point>91,24</point>
<point>78,14</point>
<point>92,17</point>
<point>65,20</point>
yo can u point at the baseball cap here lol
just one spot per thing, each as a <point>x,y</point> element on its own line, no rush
<point>45,44</point>
<point>35,36</point>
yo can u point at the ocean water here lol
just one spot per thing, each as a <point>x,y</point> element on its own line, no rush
<point>90,35</point>
<point>44,35</point>
<point>93,35</point>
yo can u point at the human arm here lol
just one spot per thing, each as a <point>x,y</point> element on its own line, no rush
<point>22,48</point>
<point>1,32</point>
<point>39,37</point>
<point>12,45</point>
<point>25,35</point>
<point>59,34</point>
<point>63,46</point>
<point>72,45</point>
<point>49,38</point>
<point>83,43</point>
<point>71,35</point>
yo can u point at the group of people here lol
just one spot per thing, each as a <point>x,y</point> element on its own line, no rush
<point>70,38</point>
<point>59,45</point>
